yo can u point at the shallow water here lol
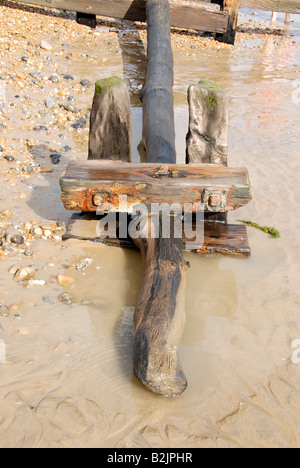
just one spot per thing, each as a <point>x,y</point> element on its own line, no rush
<point>67,380</point>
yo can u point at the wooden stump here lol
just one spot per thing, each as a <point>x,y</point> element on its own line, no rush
<point>231,7</point>
<point>160,310</point>
<point>208,124</point>
<point>110,121</point>
<point>86,19</point>
<point>207,138</point>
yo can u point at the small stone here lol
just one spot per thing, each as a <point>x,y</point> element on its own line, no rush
<point>64,280</point>
<point>9,158</point>
<point>83,264</point>
<point>24,274</point>
<point>71,99</point>
<point>17,239</point>
<point>4,312</point>
<point>13,269</point>
<point>68,77</point>
<point>38,231</point>
<point>9,249</point>
<point>68,106</point>
<point>65,298</point>
<point>66,148</point>
<point>54,78</point>
<point>1,149</point>
<point>1,243</point>
<point>47,233</point>
<point>85,82</point>
<point>45,45</point>
<point>49,300</point>
<point>80,123</point>
<point>2,232</point>
<point>24,58</point>
<point>40,128</point>
<point>55,158</point>
<point>45,169</point>
<point>32,282</point>
<point>50,102</point>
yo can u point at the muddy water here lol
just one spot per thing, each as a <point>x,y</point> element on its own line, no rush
<point>67,380</point>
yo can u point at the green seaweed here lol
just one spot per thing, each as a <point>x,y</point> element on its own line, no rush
<point>268,230</point>
<point>105,83</point>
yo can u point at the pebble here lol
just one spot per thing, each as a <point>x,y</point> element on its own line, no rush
<point>1,243</point>
<point>80,123</point>
<point>66,148</point>
<point>2,232</point>
<point>4,312</point>
<point>64,280</point>
<point>1,149</point>
<point>85,83</point>
<point>68,77</point>
<point>45,45</point>
<point>49,300</point>
<point>69,107</point>
<point>55,158</point>
<point>50,103</point>
<point>32,282</point>
<point>9,158</point>
<point>83,264</point>
<point>24,274</point>
<point>54,78</point>
<point>17,239</point>
<point>65,298</point>
<point>39,128</point>
<point>45,169</point>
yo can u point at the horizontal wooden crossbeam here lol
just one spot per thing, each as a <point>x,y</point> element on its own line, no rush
<point>205,187</point>
<point>182,16</point>
<point>219,238</point>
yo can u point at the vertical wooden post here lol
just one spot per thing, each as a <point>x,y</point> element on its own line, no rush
<point>160,310</point>
<point>157,95</point>
<point>207,138</point>
<point>86,19</point>
<point>232,9</point>
<point>110,121</point>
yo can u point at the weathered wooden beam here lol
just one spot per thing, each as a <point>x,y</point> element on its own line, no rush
<point>219,238</point>
<point>87,185</point>
<point>182,16</point>
<point>160,311</point>
<point>110,121</point>
<point>231,8</point>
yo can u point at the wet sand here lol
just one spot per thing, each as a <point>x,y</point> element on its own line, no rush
<point>66,374</point>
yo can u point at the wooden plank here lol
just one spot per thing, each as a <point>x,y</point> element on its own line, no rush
<point>87,185</point>
<point>231,7</point>
<point>219,238</point>
<point>182,16</point>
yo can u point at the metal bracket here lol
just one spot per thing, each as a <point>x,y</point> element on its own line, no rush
<point>214,200</point>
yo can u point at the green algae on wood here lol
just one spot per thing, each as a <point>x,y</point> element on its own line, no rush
<point>268,230</point>
<point>104,84</point>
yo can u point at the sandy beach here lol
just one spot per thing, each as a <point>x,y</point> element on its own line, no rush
<point>66,307</point>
